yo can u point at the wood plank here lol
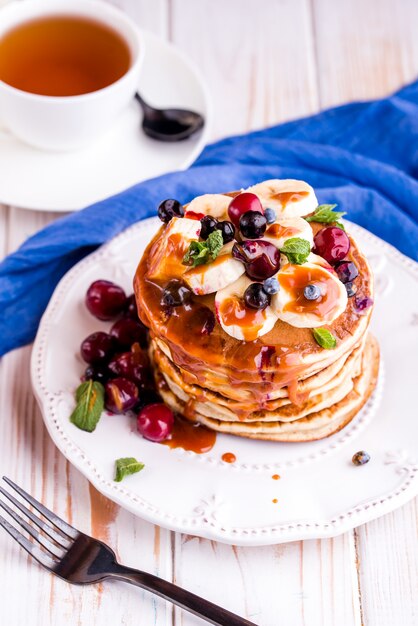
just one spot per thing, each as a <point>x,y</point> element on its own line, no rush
<point>257,59</point>
<point>302,583</point>
<point>152,16</point>
<point>364,49</point>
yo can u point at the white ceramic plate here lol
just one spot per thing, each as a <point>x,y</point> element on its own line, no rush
<point>54,181</point>
<point>320,492</point>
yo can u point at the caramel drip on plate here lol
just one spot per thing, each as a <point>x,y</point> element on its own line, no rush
<point>191,436</point>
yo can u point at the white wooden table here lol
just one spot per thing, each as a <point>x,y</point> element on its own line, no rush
<point>265,61</point>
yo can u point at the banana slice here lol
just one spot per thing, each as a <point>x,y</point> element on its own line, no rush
<point>209,278</point>
<point>236,319</point>
<point>289,198</point>
<point>284,229</point>
<point>166,259</point>
<point>214,204</point>
<point>292,307</point>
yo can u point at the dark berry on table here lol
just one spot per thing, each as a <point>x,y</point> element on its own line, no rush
<point>346,271</point>
<point>361,458</point>
<point>97,347</point>
<point>241,204</point>
<point>127,331</point>
<point>312,292</point>
<point>98,373</point>
<point>155,422</point>
<point>252,225</point>
<point>170,208</point>
<point>270,215</point>
<point>255,297</point>
<point>105,300</point>
<point>147,396</point>
<point>120,395</point>
<point>208,225</point>
<point>203,320</point>
<point>261,258</point>
<point>134,366</point>
<point>271,285</point>
<point>130,309</point>
<point>362,304</point>
<point>175,293</point>
<point>228,231</point>
<point>351,289</point>
<point>332,243</point>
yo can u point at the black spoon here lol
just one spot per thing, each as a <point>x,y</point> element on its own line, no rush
<point>169,124</point>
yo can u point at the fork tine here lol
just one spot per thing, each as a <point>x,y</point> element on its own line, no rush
<point>62,540</point>
<point>38,554</point>
<point>54,519</point>
<point>48,545</point>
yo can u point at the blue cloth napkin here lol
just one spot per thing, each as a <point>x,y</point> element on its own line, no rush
<point>361,156</point>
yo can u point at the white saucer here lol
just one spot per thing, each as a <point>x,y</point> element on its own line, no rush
<point>39,180</point>
<point>320,493</point>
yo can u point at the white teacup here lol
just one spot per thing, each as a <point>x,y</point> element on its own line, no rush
<point>68,122</point>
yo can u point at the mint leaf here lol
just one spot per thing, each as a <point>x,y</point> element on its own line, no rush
<point>296,249</point>
<point>201,252</point>
<point>325,214</point>
<point>324,338</point>
<point>125,467</point>
<point>215,242</point>
<point>90,405</point>
<point>197,254</point>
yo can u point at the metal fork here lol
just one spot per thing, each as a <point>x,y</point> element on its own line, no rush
<point>80,559</point>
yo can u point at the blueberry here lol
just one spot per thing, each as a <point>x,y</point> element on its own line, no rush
<point>228,231</point>
<point>270,215</point>
<point>252,224</point>
<point>362,304</point>
<point>346,271</point>
<point>271,285</point>
<point>170,208</point>
<point>361,458</point>
<point>312,292</point>
<point>351,289</point>
<point>96,372</point>
<point>255,297</point>
<point>208,225</point>
<point>175,293</point>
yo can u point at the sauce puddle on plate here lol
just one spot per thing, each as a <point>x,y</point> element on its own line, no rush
<point>191,436</point>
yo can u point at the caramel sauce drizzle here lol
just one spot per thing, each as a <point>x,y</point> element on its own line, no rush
<point>285,197</point>
<point>295,278</point>
<point>278,230</point>
<point>234,311</point>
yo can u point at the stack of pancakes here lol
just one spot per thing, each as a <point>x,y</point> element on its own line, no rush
<point>282,387</point>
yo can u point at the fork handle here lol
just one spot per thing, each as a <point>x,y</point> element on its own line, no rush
<point>185,599</point>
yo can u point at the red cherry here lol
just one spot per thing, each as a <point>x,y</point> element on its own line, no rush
<point>261,258</point>
<point>155,422</point>
<point>132,365</point>
<point>97,347</point>
<point>241,204</point>
<point>120,395</point>
<point>127,331</point>
<point>332,243</point>
<point>105,300</point>
<point>192,215</point>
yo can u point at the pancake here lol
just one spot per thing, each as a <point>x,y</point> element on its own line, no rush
<point>278,384</point>
<point>317,425</point>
